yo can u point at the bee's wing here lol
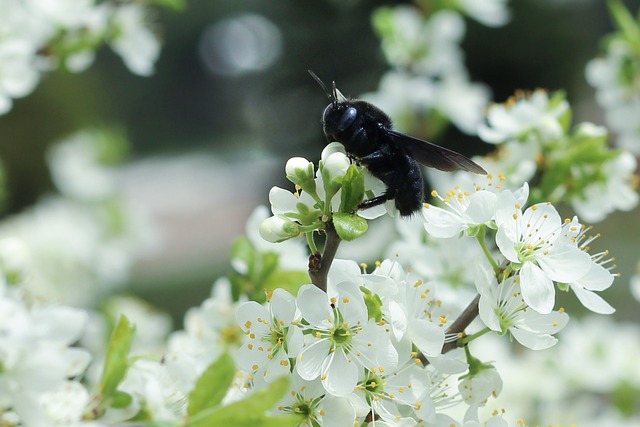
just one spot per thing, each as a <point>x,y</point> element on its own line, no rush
<point>433,155</point>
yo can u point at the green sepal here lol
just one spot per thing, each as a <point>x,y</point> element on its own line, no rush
<point>212,385</point>
<point>349,226</point>
<point>352,189</point>
<point>373,303</point>
<point>120,399</point>
<point>116,361</point>
<point>248,412</point>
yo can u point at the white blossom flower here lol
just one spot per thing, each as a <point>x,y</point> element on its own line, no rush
<point>463,210</point>
<point>532,241</point>
<point>152,387</point>
<point>310,401</point>
<point>493,13</point>
<point>134,41</point>
<point>617,192</point>
<point>596,277</point>
<point>209,330</point>
<point>518,117</point>
<point>36,355</point>
<point>502,308</point>
<point>343,340</point>
<point>411,307</point>
<point>18,76</point>
<point>477,389</point>
<point>272,335</point>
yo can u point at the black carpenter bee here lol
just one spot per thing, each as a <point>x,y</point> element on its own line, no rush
<point>367,135</point>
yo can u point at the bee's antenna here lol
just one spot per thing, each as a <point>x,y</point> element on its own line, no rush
<point>332,95</point>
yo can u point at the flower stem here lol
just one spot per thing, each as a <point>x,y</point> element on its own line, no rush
<point>311,242</point>
<point>472,337</point>
<point>319,264</point>
<point>480,236</point>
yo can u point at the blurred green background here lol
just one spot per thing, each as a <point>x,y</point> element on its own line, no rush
<point>232,85</point>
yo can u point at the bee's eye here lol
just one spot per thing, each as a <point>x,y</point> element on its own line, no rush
<point>347,119</point>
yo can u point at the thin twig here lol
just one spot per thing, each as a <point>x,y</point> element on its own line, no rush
<point>319,264</point>
<point>461,323</point>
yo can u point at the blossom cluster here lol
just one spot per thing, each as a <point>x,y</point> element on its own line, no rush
<point>428,74</point>
<point>353,351</point>
<point>536,144</point>
<point>37,36</point>
<point>614,75</point>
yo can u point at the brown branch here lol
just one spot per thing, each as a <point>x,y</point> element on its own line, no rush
<point>461,323</point>
<point>319,264</point>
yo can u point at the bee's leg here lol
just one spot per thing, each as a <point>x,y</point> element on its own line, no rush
<point>373,159</point>
<point>378,200</point>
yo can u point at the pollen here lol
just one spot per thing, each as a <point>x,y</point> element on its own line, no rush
<point>515,216</point>
<point>333,300</point>
<point>363,265</point>
<point>434,193</point>
<point>284,362</point>
<point>517,205</point>
<point>345,299</point>
<point>323,377</point>
<point>250,346</point>
<point>254,367</point>
<point>555,324</point>
<point>377,263</point>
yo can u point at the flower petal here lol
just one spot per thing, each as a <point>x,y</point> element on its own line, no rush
<point>537,289</point>
<point>592,301</point>
<point>313,305</point>
<point>283,306</point>
<point>533,340</point>
<point>340,373</point>
<point>565,263</point>
<point>311,360</point>
<point>428,337</point>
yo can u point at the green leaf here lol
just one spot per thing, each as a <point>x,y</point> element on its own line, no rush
<point>170,4</point>
<point>352,189</point>
<point>116,363</point>
<point>625,21</point>
<point>349,226</point>
<point>288,280</point>
<point>248,412</point>
<point>212,385</point>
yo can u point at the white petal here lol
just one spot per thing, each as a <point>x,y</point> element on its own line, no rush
<point>247,315</point>
<point>398,319</point>
<point>597,279</point>
<point>313,305</point>
<point>543,221</point>
<point>337,412</point>
<point>310,361</point>
<point>506,243</point>
<point>283,306</point>
<point>592,301</point>
<point>341,373</point>
<point>537,289</point>
<point>488,314</point>
<point>565,263</point>
<point>428,337</point>
<point>482,206</point>
<point>442,223</point>
<point>543,323</point>
<point>533,340</point>
<point>351,303</point>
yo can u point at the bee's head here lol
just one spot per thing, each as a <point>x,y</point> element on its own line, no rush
<point>339,115</point>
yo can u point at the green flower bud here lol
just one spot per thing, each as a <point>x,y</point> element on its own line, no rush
<point>278,228</point>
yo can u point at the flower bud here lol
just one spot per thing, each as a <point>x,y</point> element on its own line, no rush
<point>278,228</point>
<point>300,171</point>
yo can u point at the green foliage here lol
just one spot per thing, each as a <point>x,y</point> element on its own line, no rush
<point>212,385</point>
<point>249,412</point>
<point>116,362</point>
<point>352,189</point>
<point>349,226</point>
<point>170,4</point>
<point>626,23</point>
<point>261,272</point>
